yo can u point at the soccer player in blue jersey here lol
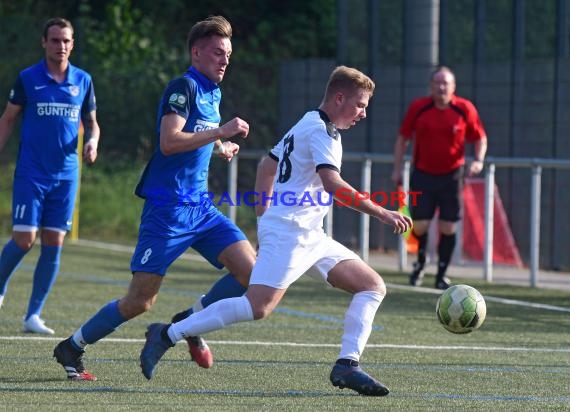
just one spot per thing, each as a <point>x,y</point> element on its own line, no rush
<point>177,214</point>
<point>307,160</point>
<point>54,97</point>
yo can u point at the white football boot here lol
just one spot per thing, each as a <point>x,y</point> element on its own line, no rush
<point>36,325</point>
<point>1,300</point>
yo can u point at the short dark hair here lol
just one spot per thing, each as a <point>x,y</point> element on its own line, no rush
<point>212,26</point>
<point>56,21</point>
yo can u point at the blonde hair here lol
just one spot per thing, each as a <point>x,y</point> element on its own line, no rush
<point>348,80</point>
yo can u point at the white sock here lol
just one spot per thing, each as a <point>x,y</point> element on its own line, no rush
<point>358,323</point>
<point>78,339</point>
<point>216,316</point>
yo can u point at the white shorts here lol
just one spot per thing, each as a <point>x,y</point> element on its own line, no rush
<point>285,255</point>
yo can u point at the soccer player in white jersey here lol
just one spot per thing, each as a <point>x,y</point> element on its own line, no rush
<point>305,163</point>
<point>53,98</point>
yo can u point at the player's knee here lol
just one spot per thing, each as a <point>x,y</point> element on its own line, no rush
<point>241,269</point>
<point>25,245</point>
<point>131,308</point>
<point>379,286</point>
<point>382,289</point>
<point>25,241</point>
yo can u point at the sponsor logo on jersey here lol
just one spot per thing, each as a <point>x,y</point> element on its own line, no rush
<point>70,111</point>
<point>202,125</point>
<point>40,87</point>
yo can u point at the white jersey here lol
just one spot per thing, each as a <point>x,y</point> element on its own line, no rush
<point>299,199</point>
<point>290,232</point>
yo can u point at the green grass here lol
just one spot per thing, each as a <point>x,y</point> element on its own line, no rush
<point>519,360</point>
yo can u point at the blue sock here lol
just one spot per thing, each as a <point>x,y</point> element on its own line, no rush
<point>12,255</point>
<point>44,278</point>
<point>226,287</point>
<point>103,323</point>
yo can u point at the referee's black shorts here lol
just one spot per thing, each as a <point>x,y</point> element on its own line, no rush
<point>437,191</point>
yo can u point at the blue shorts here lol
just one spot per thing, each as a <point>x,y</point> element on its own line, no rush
<point>166,232</point>
<point>42,203</point>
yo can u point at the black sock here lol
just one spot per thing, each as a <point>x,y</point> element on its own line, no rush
<point>445,250</point>
<point>347,362</point>
<point>422,244</point>
<point>181,315</point>
<point>164,334</point>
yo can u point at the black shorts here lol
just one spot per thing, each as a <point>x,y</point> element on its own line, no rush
<point>437,191</point>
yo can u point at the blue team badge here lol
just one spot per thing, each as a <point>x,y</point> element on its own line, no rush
<point>74,90</point>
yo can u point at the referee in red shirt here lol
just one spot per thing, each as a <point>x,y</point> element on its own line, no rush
<point>440,125</point>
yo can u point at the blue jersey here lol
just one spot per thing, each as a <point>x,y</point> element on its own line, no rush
<point>51,120</point>
<point>182,178</point>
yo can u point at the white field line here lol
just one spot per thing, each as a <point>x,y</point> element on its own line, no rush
<point>315,345</point>
<point>487,298</point>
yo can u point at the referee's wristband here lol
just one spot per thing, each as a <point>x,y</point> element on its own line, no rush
<point>478,160</point>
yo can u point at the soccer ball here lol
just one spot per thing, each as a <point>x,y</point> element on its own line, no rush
<point>461,309</point>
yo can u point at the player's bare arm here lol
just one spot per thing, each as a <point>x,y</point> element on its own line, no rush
<point>91,137</point>
<point>266,171</point>
<point>399,150</point>
<point>333,182</point>
<point>173,140</point>
<point>8,121</point>
<point>480,149</point>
